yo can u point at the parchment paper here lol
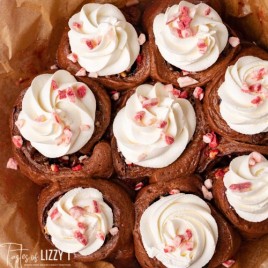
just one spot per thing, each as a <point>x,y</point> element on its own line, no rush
<point>29,34</point>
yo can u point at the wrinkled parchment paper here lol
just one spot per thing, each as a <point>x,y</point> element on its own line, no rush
<point>29,34</point>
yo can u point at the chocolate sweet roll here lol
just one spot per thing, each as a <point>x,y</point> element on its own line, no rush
<point>175,227</point>
<point>101,44</point>
<point>188,42</point>
<point>240,191</point>
<point>56,126</point>
<point>157,134</point>
<point>92,219</point>
<point>236,102</point>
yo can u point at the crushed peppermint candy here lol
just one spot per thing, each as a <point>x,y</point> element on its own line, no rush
<point>234,41</point>
<point>82,158</point>
<point>81,238</point>
<point>142,39</point>
<point>54,67</point>
<point>198,93</point>
<point>186,81</point>
<point>77,212</point>
<point>81,72</point>
<point>54,214</point>
<point>174,191</point>
<point>114,231</point>
<point>92,75</point>
<point>211,139</point>
<point>138,186</point>
<point>228,263</point>
<point>169,139</point>
<point>72,57</point>
<point>241,187</point>
<point>100,236</point>
<point>254,158</point>
<point>77,167</point>
<point>208,183</point>
<point>202,46</point>
<point>81,91</point>
<point>54,168</point>
<point>17,141</point>
<point>12,163</point>
<point>206,193</point>
<point>213,153</point>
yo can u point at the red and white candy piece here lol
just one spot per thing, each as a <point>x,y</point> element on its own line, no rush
<point>198,93</point>
<point>219,174</point>
<point>81,91</point>
<point>115,95</point>
<point>138,186</point>
<point>234,41</point>
<point>207,11</point>
<point>139,116</point>
<point>174,191</point>
<point>161,124</point>
<point>211,139</point>
<point>12,163</point>
<point>54,85</point>
<point>208,183</point>
<point>114,231</point>
<point>258,100</point>
<point>54,67</point>
<point>254,158</point>
<point>72,57</point>
<point>81,72</point>
<point>100,236</point>
<point>241,187</point>
<point>70,94</point>
<point>82,226</point>
<point>186,81</point>
<point>81,238</point>
<point>228,263</point>
<point>148,103</point>
<point>77,167</point>
<point>202,46</point>
<point>54,214</point>
<point>62,94</point>
<point>169,139</point>
<point>77,212</point>
<point>17,141</point>
<point>92,75</point>
<point>169,249</point>
<point>142,39</point>
<point>54,168</point>
<point>77,25</point>
<point>206,193</point>
<point>96,206</point>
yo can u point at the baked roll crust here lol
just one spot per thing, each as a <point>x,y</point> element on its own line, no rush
<point>117,248</point>
<point>43,170</point>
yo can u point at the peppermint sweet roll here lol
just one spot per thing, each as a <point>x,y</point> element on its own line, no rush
<point>157,134</point>
<point>56,126</point>
<point>188,42</point>
<point>92,219</point>
<point>238,100</point>
<point>240,191</point>
<point>101,44</point>
<point>174,227</point>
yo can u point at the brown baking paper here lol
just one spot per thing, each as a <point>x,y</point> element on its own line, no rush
<point>30,31</point>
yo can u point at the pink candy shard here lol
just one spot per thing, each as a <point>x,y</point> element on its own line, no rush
<point>72,57</point>
<point>169,139</point>
<point>100,236</point>
<point>12,163</point>
<point>54,214</point>
<point>115,96</point>
<point>81,238</point>
<point>114,231</point>
<point>77,167</point>
<point>77,212</point>
<point>138,186</point>
<point>77,25</point>
<point>207,194</point>
<point>161,124</point>
<point>240,187</point>
<point>213,153</point>
<point>208,183</point>
<point>211,139</point>
<point>176,93</point>
<point>234,41</point>
<point>257,100</point>
<point>150,103</point>
<point>81,91</point>
<point>228,263</point>
<point>96,207</point>
<point>139,116</point>
<point>92,75</point>
<point>62,94</point>
<point>139,59</point>
<point>70,94</point>
<point>219,174</point>
<point>254,158</point>
<point>174,191</point>
<point>198,93</point>
<point>81,72</point>
<point>169,249</point>
<point>259,74</point>
<point>82,226</point>
<point>54,168</point>
<point>54,85</point>
<point>207,11</point>
<point>142,39</point>
<point>17,141</point>
<point>202,46</point>
<point>186,81</point>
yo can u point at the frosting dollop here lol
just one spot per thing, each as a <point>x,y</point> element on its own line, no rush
<point>244,96</point>
<point>57,114</point>
<point>103,41</point>
<point>179,231</point>
<point>190,37</point>
<point>79,221</point>
<point>246,185</point>
<point>154,127</point>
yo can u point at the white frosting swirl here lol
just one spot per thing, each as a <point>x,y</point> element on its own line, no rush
<point>103,40</point>
<point>77,214</point>
<point>161,133</point>
<point>188,38</point>
<point>244,96</point>
<point>58,114</point>
<point>179,231</point>
<point>246,185</point>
